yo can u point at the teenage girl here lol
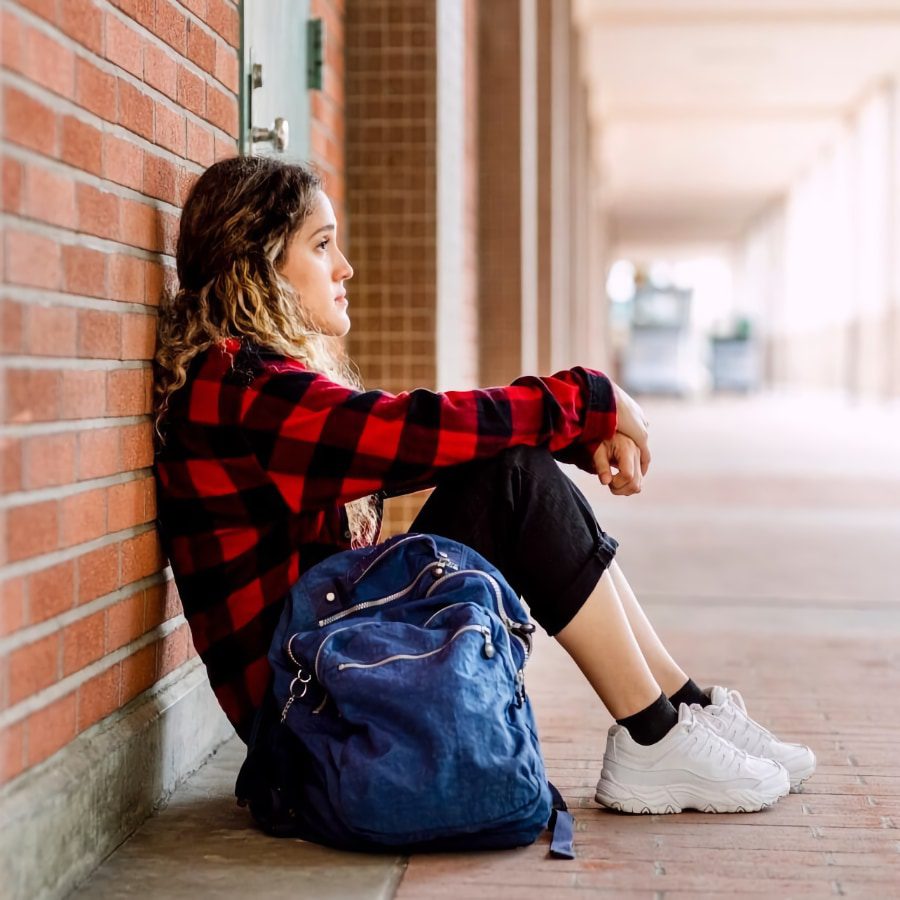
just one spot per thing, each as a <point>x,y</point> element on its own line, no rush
<point>272,457</point>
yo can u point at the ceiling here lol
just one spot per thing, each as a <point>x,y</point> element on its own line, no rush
<point>705,111</point>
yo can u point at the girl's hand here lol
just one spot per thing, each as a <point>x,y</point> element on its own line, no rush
<point>621,453</point>
<point>633,424</point>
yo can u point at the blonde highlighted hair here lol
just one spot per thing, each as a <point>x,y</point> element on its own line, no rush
<point>235,228</point>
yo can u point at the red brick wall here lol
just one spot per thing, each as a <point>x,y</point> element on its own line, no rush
<point>109,110</point>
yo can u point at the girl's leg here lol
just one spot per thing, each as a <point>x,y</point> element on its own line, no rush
<point>666,671</point>
<point>525,516</point>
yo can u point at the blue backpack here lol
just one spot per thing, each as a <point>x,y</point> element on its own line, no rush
<point>400,693</point>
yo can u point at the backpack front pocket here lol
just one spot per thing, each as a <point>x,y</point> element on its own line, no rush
<point>429,709</point>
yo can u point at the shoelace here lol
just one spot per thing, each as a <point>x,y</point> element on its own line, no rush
<point>730,755</point>
<point>729,729</point>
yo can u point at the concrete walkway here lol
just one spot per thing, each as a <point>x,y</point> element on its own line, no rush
<point>766,548</point>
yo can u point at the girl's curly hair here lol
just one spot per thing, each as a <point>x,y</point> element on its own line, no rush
<point>236,225</point>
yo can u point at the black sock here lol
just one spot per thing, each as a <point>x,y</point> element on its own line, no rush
<point>689,693</point>
<point>652,723</point>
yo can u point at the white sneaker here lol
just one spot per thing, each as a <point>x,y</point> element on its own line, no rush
<point>727,716</point>
<point>692,767</point>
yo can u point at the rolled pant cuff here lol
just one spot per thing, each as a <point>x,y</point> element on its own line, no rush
<point>568,602</point>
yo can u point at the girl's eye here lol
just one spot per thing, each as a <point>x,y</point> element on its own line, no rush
<point>322,244</point>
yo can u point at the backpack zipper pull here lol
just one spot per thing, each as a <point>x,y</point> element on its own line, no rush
<point>488,643</point>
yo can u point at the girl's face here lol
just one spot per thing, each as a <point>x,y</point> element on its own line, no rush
<point>316,269</point>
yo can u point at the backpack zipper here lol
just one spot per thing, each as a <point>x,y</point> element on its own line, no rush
<point>369,604</point>
<point>511,626</point>
<point>482,629</point>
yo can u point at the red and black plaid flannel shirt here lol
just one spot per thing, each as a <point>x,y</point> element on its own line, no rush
<point>261,454</point>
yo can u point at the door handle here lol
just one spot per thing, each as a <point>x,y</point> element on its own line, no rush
<point>278,135</point>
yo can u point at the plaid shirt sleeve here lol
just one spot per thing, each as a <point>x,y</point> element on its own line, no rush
<point>323,443</point>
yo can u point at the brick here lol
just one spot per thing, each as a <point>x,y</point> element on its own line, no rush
<point>227,69</point>
<point>197,7</point>
<point>98,573</point>
<point>141,556</point>
<point>125,621</point>
<point>32,530</point>
<point>222,110</point>
<point>159,177</point>
<point>136,446</point>
<point>32,260</point>
<point>99,696</point>
<point>184,181</point>
<point>128,392</point>
<point>135,110</point>
<point>84,270</point>
<point>95,89</point>
<point>168,226</point>
<point>83,642</point>
<point>226,148</point>
<point>124,46</point>
<point>50,729</point>
<point>191,91</point>
<point>170,130</point>
<point>13,185</point>
<point>50,196</point>
<point>12,327</point>
<point>51,65</point>
<point>161,71</point>
<point>99,333</point>
<point>98,211</point>
<point>138,673</point>
<point>82,517</point>
<point>222,17</point>
<point>139,225</point>
<point>51,330</point>
<point>48,460</point>
<point>83,394</point>
<point>138,336</point>
<point>149,499</point>
<point>98,452</point>
<point>28,122</point>
<point>171,25</point>
<point>14,43</point>
<point>125,278</point>
<point>12,751</point>
<point>10,465</point>
<point>82,21</point>
<point>126,504</point>
<point>33,667</point>
<point>140,10</point>
<point>12,605</point>
<point>32,395</point>
<point>51,591</point>
<point>123,162</point>
<point>201,47</point>
<point>200,144</point>
<point>173,650</point>
<point>155,606</point>
<point>81,145</point>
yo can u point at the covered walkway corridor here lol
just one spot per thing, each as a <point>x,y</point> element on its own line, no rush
<point>767,558</point>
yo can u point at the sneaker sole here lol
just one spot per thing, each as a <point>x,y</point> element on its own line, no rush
<point>676,798</point>
<point>797,778</point>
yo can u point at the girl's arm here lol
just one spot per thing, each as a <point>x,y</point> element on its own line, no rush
<point>323,443</point>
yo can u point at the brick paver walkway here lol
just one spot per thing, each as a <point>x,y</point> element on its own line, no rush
<point>766,548</point>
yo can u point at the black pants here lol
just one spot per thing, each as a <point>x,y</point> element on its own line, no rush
<point>524,515</point>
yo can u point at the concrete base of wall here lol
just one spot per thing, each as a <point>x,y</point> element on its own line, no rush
<point>63,818</point>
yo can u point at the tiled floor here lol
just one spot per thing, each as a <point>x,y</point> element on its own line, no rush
<point>766,548</point>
